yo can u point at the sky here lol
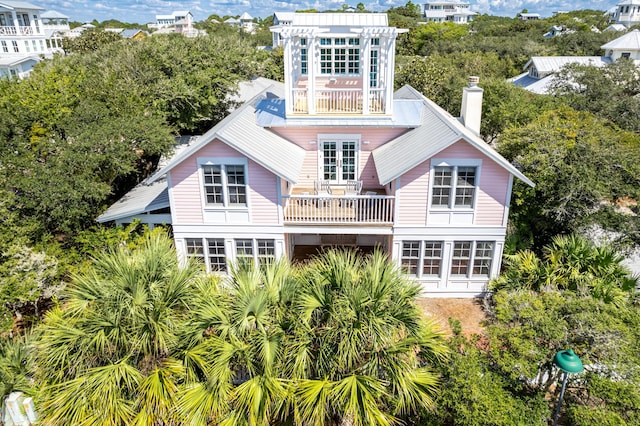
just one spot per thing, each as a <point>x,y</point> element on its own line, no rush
<point>144,11</point>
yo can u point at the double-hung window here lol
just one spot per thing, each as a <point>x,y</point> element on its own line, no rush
<point>304,57</point>
<point>473,258</point>
<point>260,250</point>
<point>225,185</point>
<point>454,186</point>
<point>215,258</point>
<point>422,258</point>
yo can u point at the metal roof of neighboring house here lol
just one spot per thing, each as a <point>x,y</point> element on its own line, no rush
<point>232,21</point>
<point>13,60</point>
<point>245,16</point>
<point>615,27</point>
<point>340,19</point>
<point>12,5</point>
<point>181,13</point>
<point>129,33</point>
<point>628,41</point>
<point>628,3</point>
<point>551,64</point>
<point>284,16</point>
<point>438,131</point>
<point>52,14</point>
<point>240,131</point>
<point>536,85</point>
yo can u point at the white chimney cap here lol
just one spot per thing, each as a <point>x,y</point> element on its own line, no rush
<point>474,80</point>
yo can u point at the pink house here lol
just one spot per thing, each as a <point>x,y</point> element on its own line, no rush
<point>335,157</point>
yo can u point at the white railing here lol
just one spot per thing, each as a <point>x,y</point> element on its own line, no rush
<point>13,30</point>
<point>339,100</point>
<point>376,101</point>
<point>300,100</point>
<point>355,209</point>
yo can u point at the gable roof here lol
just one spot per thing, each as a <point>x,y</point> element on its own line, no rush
<point>549,64</point>
<point>12,5</point>
<point>340,19</point>
<point>628,41</point>
<point>240,131</point>
<point>438,131</point>
<point>129,33</point>
<point>52,14</point>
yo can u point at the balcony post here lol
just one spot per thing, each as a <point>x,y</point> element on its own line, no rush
<point>366,75</point>
<point>311,72</point>
<point>16,24</point>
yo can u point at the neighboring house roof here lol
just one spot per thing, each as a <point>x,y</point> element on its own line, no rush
<point>130,33</point>
<point>438,131</point>
<point>536,85</point>
<point>628,3</point>
<point>240,131</point>
<point>245,17</point>
<point>52,14</point>
<point>284,16</point>
<point>232,21</point>
<point>628,41</point>
<point>615,27</point>
<point>551,64</point>
<point>11,5</point>
<point>12,61</point>
<point>340,19</point>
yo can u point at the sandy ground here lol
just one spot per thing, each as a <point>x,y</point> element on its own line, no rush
<point>468,311</point>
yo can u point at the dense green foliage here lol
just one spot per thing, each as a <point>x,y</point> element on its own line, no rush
<point>139,340</point>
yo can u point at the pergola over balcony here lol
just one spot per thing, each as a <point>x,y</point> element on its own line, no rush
<point>347,71</point>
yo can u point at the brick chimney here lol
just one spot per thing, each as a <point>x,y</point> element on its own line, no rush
<point>471,110</point>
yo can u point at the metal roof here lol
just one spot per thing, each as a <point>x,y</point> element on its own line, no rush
<point>340,19</point>
<point>629,41</point>
<point>241,132</point>
<point>550,64</point>
<point>13,60</point>
<point>52,14</point>
<point>536,85</point>
<point>284,16</point>
<point>143,198</point>
<point>438,131</point>
<point>13,5</point>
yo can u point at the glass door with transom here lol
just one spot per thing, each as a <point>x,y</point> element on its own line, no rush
<point>339,161</point>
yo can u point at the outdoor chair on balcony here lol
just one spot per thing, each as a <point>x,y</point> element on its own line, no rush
<point>323,189</point>
<point>354,187</point>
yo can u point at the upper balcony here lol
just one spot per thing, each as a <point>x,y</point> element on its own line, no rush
<point>338,64</point>
<point>18,31</point>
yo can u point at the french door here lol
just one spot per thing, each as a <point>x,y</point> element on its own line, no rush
<point>339,160</point>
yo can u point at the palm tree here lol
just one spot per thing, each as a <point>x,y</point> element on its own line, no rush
<point>108,356</point>
<point>339,341</point>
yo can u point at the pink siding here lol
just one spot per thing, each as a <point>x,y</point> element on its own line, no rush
<point>494,184</point>
<point>303,137</point>
<point>186,191</point>
<point>411,197</point>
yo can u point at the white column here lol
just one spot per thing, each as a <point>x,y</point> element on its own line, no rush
<point>288,74</point>
<point>16,24</point>
<point>366,72</point>
<point>312,62</point>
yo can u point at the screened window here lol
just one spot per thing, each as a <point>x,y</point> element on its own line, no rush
<point>225,185</point>
<point>304,58</point>
<point>453,186</point>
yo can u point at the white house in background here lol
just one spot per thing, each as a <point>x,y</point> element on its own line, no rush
<point>23,38</point>
<point>281,19</point>
<point>56,26</point>
<point>627,13</point>
<point>529,16</point>
<point>539,71</point>
<point>448,11</point>
<point>164,21</point>
<point>333,157</point>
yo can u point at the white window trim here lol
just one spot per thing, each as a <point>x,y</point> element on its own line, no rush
<point>421,258</point>
<point>226,161</point>
<point>463,162</point>
<point>472,258</point>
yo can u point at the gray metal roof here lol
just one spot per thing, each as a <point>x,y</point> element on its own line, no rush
<point>241,132</point>
<point>143,198</point>
<point>550,64</point>
<point>536,85</point>
<point>406,113</point>
<point>52,14</point>
<point>340,19</point>
<point>629,41</point>
<point>13,5</point>
<point>438,131</point>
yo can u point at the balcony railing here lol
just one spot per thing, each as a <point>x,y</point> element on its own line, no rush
<point>16,31</point>
<point>338,101</point>
<point>354,209</point>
